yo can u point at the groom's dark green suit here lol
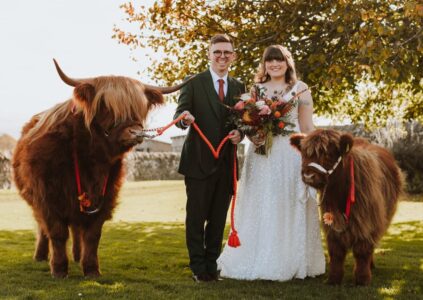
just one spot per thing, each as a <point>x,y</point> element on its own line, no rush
<point>208,180</point>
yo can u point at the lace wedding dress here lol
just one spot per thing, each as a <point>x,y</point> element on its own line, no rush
<point>276,217</point>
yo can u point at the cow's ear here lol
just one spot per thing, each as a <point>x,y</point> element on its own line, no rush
<point>84,93</point>
<point>296,139</point>
<point>345,143</point>
<point>154,97</point>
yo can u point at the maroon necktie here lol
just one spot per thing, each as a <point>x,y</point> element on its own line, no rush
<point>221,91</point>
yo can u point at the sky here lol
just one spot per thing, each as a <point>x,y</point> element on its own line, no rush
<point>78,34</point>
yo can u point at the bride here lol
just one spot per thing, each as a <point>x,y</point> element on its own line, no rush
<point>276,215</point>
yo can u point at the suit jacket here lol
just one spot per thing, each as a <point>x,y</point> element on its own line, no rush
<point>199,97</point>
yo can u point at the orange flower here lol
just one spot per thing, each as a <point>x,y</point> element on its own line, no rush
<point>246,117</point>
<point>281,125</point>
<point>84,200</point>
<point>328,218</point>
<point>277,114</point>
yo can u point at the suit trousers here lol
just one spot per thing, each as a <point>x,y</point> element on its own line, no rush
<point>207,206</point>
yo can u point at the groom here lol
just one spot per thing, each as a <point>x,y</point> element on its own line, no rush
<point>208,181</point>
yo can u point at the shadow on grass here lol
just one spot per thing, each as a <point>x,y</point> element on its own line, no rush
<point>150,261</point>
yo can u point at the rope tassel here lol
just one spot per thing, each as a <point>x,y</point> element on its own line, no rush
<point>233,240</point>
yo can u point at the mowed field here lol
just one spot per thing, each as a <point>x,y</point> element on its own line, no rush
<point>143,255</point>
<point>154,201</point>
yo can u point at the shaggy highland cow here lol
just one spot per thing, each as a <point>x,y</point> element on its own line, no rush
<point>359,184</point>
<point>68,163</point>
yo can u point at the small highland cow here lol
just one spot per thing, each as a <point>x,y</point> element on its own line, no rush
<point>359,186</point>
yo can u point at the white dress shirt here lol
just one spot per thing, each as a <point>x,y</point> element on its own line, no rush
<point>216,78</point>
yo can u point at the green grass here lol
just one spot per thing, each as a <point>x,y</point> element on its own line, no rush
<point>144,261</point>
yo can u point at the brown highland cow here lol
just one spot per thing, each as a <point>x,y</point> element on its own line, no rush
<point>359,184</point>
<point>68,163</point>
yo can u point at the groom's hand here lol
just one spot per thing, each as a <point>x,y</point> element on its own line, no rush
<point>188,119</point>
<point>235,136</point>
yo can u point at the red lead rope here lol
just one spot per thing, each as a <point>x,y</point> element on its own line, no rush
<point>351,193</point>
<point>84,201</point>
<point>233,239</point>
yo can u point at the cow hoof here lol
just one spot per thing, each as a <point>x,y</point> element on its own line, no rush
<point>59,275</point>
<point>362,281</point>
<point>333,281</point>
<point>40,258</point>
<point>93,274</point>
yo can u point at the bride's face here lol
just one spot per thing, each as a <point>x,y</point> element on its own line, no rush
<point>276,68</point>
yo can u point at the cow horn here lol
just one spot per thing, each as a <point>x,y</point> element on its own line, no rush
<point>65,78</point>
<point>168,89</point>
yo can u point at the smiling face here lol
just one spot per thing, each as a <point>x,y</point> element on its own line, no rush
<point>276,68</point>
<point>221,55</point>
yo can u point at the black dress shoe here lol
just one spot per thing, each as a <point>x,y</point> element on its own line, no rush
<point>215,277</point>
<point>203,277</point>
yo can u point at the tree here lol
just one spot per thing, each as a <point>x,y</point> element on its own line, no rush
<point>337,46</point>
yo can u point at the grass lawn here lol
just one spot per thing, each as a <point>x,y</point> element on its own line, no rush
<point>140,259</point>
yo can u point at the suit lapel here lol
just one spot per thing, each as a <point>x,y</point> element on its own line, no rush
<point>231,90</point>
<point>211,93</point>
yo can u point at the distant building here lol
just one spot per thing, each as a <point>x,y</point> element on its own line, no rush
<point>178,142</point>
<point>153,146</point>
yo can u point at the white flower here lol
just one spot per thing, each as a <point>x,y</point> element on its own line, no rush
<point>265,110</point>
<point>245,97</point>
<point>260,104</point>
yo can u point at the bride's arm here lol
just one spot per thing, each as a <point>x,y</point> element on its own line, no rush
<point>305,110</point>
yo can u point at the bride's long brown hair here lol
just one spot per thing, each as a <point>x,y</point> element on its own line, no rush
<point>280,53</point>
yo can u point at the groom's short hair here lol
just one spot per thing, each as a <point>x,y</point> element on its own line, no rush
<point>221,38</point>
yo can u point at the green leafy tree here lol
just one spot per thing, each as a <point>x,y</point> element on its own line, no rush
<point>338,46</point>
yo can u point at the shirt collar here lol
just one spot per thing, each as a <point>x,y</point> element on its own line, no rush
<point>216,77</point>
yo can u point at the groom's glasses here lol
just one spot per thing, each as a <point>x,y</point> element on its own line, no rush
<point>219,53</point>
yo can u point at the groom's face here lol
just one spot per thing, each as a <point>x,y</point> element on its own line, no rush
<point>221,56</point>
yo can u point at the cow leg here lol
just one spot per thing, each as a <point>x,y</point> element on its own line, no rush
<point>41,246</point>
<point>337,254</point>
<point>59,234</point>
<point>372,262</point>
<point>90,240</point>
<point>76,243</point>
<point>363,254</point>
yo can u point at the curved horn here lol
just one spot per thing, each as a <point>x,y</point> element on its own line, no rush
<point>65,78</point>
<point>169,89</point>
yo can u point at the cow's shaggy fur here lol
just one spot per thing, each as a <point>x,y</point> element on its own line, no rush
<point>96,127</point>
<point>378,184</point>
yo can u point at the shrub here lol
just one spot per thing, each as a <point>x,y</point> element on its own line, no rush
<point>406,144</point>
<point>5,172</point>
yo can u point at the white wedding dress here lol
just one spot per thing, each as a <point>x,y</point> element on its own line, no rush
<point>276,217</point>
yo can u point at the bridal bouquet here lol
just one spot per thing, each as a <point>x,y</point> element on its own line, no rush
<point>257,115</point>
